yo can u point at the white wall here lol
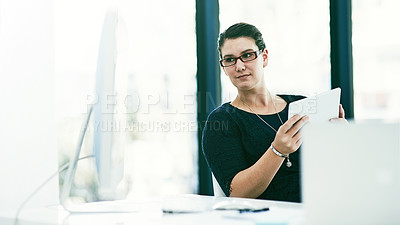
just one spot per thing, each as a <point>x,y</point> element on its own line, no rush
<point>28,153</point>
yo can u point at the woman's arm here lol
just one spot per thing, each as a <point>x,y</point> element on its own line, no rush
<point>253,181</point>
<point>223,148</point>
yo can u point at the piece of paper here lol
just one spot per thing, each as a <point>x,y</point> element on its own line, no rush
<point>319,108</point>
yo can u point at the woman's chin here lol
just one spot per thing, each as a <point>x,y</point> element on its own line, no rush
<point>244,86</point>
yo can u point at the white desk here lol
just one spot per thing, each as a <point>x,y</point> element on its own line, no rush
<point>150,213</point>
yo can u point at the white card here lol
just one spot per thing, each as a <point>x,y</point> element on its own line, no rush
<point>319,108</point>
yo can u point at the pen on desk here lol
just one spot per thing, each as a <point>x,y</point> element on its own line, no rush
<point>253,210</point>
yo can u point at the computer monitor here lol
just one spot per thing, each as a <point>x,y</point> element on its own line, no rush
<point>351,173</point>
<point>108,145</point>
<point>109,141</point>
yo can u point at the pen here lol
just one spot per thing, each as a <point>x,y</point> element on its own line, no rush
<point>253,210</point>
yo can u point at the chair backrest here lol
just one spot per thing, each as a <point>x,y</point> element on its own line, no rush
<point>218,192</point>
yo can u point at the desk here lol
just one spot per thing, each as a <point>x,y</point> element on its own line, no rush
<point>150,213</point>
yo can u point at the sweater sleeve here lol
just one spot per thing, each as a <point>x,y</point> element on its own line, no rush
<point>223,149</point>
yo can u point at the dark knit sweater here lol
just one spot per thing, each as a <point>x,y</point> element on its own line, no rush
<point>233,140</point>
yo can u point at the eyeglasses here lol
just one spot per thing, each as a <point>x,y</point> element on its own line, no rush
<point>246,57</point>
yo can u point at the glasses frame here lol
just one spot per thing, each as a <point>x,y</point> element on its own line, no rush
<point>241,59</point>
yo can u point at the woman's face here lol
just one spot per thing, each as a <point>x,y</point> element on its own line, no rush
<point>244,75</point>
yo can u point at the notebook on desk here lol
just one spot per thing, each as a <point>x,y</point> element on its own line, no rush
<point>351,173</point>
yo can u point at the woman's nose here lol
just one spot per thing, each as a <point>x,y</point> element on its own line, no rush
<point>240,65</point>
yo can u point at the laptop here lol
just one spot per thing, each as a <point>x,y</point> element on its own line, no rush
<point>351,173</point>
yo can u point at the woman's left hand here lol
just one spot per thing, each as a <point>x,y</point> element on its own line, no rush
<point>341,118</point>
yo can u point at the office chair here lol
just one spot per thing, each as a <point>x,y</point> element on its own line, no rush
<point>218,192</point>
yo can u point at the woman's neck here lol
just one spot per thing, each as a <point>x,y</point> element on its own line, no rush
<point>261,102</point>
<point>255,98</point>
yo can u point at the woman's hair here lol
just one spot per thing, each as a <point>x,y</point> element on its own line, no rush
<point>241,30</point>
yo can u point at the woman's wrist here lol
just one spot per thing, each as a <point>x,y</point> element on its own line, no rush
<point>278,153</point>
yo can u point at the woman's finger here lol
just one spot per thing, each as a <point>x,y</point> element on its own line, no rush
<point>290,122</point>
<point>297,136</point>
<point>299,142</point>
<point>297,126</point>
<point>341,111</point>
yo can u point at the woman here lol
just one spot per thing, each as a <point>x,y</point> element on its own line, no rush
<point>255,153</point>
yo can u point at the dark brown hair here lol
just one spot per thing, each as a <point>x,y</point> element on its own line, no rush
<point>241,30</point>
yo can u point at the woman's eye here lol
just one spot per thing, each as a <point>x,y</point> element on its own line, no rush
<point>246,55</point>
<point>229,59</point>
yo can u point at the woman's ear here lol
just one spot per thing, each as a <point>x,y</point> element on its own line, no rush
<point>265,57</point>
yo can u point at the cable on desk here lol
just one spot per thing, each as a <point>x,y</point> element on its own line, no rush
<point>61,169</point>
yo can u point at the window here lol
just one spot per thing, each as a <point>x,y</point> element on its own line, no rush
<point>161,143</point>
<point>296,34</point>
<point>376,57</point>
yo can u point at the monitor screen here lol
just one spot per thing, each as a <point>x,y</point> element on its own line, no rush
<point>108,137</point>
<point>104,115</point>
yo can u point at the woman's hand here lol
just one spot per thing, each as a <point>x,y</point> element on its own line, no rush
<point>288,137</point>
<point>341,118</point>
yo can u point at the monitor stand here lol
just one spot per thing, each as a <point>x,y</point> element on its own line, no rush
<point>119,206</point>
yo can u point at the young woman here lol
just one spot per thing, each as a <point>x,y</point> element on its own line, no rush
<point>250,144</point>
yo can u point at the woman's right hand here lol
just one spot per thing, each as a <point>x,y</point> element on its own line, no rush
<point>288,138</point>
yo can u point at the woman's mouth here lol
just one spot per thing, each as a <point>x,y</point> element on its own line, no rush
<point>243,76</point>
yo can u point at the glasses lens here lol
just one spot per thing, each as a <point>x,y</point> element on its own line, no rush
<point>248,56</point>
<point>228,62</point>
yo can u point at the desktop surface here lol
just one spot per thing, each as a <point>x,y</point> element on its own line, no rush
<point>151,213</point>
